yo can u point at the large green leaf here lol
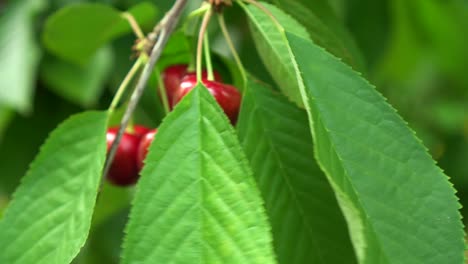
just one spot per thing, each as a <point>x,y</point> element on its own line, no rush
<point>325,29</point>
<point>19,53</point>
<point>77,31</point>
<point>80,84</point>
<point>49,217</point>
<point>197,201</point>
<point>399,205</point>
<point>307,224</point>
<point>270,43</point>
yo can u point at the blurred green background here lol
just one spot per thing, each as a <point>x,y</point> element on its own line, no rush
<point>415,52</point>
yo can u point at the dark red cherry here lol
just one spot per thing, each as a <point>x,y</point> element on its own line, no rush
<point>227,96</point>
<point>173,75</point>
<point>145,142</point>
<point>124,170</point>
<point>171,78</point>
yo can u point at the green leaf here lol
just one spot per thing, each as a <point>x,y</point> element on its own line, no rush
<point>49,217</point>
<point>325,29</point>
<point>446,26</point>
<point>80,84</point>
<point>6,115</point>
<point>177,51</point>
<point>77,31</point>
<point>3,204</point>
<point>21,145</point>
<point>112,199</point>
<point>145,13</point>
<point>19,52</point>
<point>307,224</point>
<point>406,48</point>
<point>369,23</point>
<point>178,43</point>
<point>197,201</point>
<point>427,29</point>
<point>399,205</point>
<point>271,45</point>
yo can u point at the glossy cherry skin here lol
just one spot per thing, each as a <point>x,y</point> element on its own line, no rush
<point>145,142</point>
<point>124,170</point>
<point>227,96</point>
<point>173,75</point>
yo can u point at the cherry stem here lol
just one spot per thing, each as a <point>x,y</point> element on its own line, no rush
<point>194,15</point>
<point>266,11</point>
<point>198,12</point>
<point>162,92</point>
<point>201,34</point>
<point>123,86</point>
<point>222,25</point>
<point>209,65</point>
<point>134,24</point>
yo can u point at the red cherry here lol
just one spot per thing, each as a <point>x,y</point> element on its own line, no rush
<point>227,96</point>
<point>145,142</point>
<point>124,170</point>
<point>140,131</point>
<point>171,78</point>
<point>173,75</point>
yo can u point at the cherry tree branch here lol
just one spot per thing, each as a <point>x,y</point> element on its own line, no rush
<point>160,35</point>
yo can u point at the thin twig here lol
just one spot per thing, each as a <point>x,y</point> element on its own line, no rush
<point>163,30</point>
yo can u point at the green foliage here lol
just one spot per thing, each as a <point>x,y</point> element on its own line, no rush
<point>112,199</point>
<point>399,205</point>
<point>75,39</point>
<point>3,205</point>
<point>324,29</point>
<point>270,44</point>
<point>445,25</point>
<point>342,181</point>
<point>29,133</point>
<point>20,54</point>
<point>197,201</point>
<point>82,85</point>
<point>49,217</point>
<point>297,195</point>
<point>5,117</point>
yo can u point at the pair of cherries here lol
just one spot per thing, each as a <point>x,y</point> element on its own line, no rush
<point>133,147</point>
<point>130,154</point>
<point>179,82</point>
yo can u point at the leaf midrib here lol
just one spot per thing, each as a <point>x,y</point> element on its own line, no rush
<point>201,153</point>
